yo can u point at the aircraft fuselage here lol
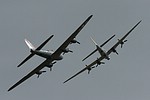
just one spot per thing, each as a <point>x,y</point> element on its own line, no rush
<point>103,53</point>
<point>46,54</point>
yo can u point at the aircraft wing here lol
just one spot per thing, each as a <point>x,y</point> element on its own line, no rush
<point>67,42</point>
<point>100,46</point>
<point>42,65</point>
<point>131,30</point>
<point>76,74</point>
<point>102,57</point>
<point>53,56</point>
<point>38,48</point>
<point>86,68</point>
<point>115,46</point>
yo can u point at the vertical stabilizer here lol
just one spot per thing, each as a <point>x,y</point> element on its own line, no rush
<point>32,48</point>
<point>29,45</point>
<point>94,41</point>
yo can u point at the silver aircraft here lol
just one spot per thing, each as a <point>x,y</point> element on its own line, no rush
<point>50,56</point>
<point>98,60</point>
<point>101,51</point>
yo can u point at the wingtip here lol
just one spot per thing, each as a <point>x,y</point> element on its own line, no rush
<point>90,16</point>
<point>64,82</point>
<point>18,65</point>
<point>8,89</point>
<point>140,21</point>
<point>52,35</point>
<point>83,59</point>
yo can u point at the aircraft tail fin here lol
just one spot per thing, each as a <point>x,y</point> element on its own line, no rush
<point>29,45</point>
<point>93,51</point>
<point>97,46</point>
<point>94,41</point>
<point>38,48</point>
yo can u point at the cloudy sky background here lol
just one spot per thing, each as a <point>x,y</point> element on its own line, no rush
<point>124,77</point>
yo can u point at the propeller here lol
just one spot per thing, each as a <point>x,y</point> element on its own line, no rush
<point>89,70</point>
<point>115,51</point>
<point>74,41</point>
<point>39,73</point>
<point>99,63</point>
<point>66,51</point>
<point>52,66</point>
<point>122,43</point>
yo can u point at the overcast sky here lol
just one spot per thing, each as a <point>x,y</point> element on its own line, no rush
<point>125,77</point>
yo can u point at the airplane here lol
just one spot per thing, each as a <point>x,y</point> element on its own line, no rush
<point>98,61</point>
<point>49,55</point>
<point>100,49</point>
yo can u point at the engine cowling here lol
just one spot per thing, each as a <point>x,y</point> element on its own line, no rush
<point>114,51</point>
<point>39,73</point>
<point>122,42</point>
<point>74,41</point>
<point>66,50</point>
<point>50,65</point>
<point>99,62</point>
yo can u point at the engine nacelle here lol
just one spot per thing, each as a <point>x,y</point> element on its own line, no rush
<point>50,65</point>
<point>122,42</point>
<point>39,73</point>
<point>74,41</point>
<point>99,62</point>
<point>66,50</point>
<point>114,51</point>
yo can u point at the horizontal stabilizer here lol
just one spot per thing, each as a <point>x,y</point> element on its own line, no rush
<point>27,58</point>
<point>107,41</point>
<point>43,44</point>
<point>33,48</point>
<point>90,54</point>
<point>97,45</point>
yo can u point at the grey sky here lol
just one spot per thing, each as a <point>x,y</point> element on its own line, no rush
<point>124,77</point>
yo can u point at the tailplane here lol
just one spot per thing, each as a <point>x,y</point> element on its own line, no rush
<point>97,46</point>
<point>32,48</point>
